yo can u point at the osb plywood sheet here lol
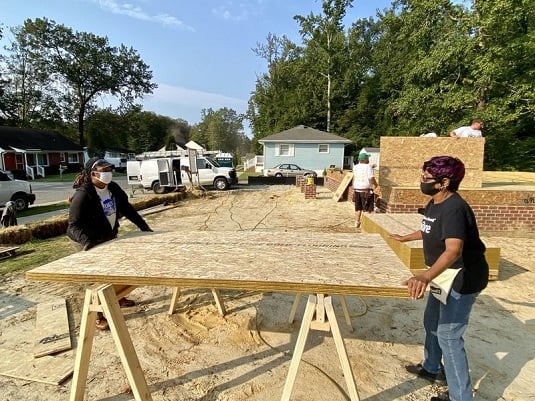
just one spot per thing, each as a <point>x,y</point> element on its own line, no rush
<point>346,181</point>
<point>51,328</point>
<point>335,263</point>
<point>494,274</point>
<point>48,369</point>
<point>402,158</point>
<point>411,253</point>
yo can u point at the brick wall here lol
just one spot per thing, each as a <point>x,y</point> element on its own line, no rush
<point>498,211</point>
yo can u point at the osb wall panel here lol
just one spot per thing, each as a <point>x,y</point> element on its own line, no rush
<point>402,158</point>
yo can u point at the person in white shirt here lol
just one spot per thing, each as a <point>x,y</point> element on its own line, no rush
<point>363,184</point>
<point>471,131</point>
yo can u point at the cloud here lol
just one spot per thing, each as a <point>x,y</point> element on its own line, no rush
<point>136,12</point>
<point>179,102</point>
<point>237,12</point>
<point>189,97</point>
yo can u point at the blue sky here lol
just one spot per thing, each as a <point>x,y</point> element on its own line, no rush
<point>198,50</point>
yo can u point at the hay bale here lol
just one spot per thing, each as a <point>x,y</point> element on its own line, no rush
<point>50,228</point>
<point>15,235</point>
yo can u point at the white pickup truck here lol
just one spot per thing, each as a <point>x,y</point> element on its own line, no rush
<point>18,191</point>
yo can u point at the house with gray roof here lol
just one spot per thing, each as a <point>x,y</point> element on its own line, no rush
<point>307,147</point>
<point>28,152</point>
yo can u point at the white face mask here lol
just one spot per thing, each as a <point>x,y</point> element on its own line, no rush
<point>105,177</point>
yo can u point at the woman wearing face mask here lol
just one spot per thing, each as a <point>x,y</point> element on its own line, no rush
<point>95,208</point>
<point>457,273</point>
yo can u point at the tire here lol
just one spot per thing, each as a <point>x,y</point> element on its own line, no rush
<point>21,202</point>
<point>158,189</point>
<point>221,184</point>
<point>278,175</point>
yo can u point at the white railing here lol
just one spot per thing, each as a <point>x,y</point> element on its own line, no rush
<point>41,171</point>
<point>29,172</point>
<point>257,162</point>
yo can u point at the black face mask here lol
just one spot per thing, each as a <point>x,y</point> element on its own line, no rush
<point>428,188</point>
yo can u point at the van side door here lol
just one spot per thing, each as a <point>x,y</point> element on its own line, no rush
<point>165,174</point>
<point>133,172</point>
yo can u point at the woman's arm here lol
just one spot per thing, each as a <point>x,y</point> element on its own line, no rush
<point>407,237</point>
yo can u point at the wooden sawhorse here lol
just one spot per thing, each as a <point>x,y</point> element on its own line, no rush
<point>342,302</point>
<point>215,292</point>
<point>104,298</point>
<point>319,315</point>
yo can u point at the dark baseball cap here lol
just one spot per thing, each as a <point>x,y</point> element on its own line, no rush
<point>95,162</point>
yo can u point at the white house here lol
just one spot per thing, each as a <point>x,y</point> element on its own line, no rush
<point>307,147</point>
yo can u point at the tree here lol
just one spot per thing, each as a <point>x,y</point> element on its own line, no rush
<point>221,130</point>
<point>277,102</point>
<point>422,66</point>
<point>84,66</point>
<point>28,99</point>
<point>325,47</point>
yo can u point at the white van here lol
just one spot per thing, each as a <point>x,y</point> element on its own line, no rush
<point>167,173</point>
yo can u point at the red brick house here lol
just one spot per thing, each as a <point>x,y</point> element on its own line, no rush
<point>29,153</point>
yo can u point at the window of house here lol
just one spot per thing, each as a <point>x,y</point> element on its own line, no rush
<point>323,148</point>
<point>73,157</point>
<point>62,157</point>
<point>42,159</point>
<point>284,149</point>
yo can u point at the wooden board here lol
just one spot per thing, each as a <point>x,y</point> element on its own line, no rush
<point>51,332</point>
<point>411,253</point>
<point>48,369</point>
<point>306,262</point>
<point>342,187</point>
<point>7,252</point>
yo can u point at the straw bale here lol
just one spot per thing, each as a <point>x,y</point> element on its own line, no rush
<point>49,228</point>
<point>15,235</point>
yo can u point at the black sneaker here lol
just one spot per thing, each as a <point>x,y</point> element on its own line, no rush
<point>418,370</point>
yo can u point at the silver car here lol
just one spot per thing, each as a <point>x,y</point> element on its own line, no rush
<point>288,170</point>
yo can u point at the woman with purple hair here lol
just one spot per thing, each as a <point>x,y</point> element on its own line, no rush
<point>457,272</point>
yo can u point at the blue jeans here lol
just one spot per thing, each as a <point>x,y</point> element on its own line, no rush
<point>444,329</point>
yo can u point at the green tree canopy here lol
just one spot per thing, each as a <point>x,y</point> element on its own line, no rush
<point>420,66</point>
<point>83,66</point>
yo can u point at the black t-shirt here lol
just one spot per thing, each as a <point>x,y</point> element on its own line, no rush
<point>454,218</point>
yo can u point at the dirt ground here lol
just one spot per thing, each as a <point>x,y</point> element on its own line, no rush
<point>196,354</point>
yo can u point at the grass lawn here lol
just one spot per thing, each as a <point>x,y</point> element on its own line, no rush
<point>246,174</point>
<point>36,253</point>
<point>43,209</point>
